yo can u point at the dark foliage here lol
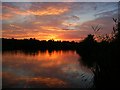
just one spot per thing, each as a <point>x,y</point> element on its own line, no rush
<point>104,58</point>
<point>33,44</point>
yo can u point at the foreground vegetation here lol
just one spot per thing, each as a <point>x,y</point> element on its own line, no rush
<point>103,58</point>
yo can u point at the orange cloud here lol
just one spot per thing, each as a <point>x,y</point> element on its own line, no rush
<point>57,29</point>
<point>6,16</point>
<point>36,22</point>
<point>15,26</point>
<point>49,11</point>
<point>0,17</point>
<point>9,7</point>
<point>51,28</point>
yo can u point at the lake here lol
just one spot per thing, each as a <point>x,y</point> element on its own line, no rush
<point>44,69</point>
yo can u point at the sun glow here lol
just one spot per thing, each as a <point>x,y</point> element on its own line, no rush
<point>53,37</point>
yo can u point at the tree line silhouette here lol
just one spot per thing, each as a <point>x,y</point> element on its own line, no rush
<point>32,43</point>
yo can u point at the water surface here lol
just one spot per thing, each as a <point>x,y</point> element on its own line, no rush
<point>24,69</point>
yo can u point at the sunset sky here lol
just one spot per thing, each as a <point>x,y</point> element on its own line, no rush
<point>56,20</point>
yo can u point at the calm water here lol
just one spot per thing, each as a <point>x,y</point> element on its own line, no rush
<point>44,69</point>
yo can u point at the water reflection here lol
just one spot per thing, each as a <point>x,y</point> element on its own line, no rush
<point>45,69</point>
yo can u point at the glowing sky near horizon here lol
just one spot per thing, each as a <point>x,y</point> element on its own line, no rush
<point>56,20</point>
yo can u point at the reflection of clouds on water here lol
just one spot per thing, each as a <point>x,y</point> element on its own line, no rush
<point>60,65</point>
<point>11,80</point>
